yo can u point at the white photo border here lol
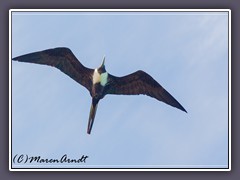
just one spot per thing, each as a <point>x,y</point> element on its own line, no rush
<point>119,169</point>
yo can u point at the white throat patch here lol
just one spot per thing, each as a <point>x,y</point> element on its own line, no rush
<point>104,79</point>
<point>100,78</point>
<point>96,77</point>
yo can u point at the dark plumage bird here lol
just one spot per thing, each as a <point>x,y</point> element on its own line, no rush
<point>98,82</point>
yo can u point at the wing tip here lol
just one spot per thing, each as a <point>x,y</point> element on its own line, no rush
<point>185,110</point>
<point>23,58</point>
<point>182,108</point>
<point>15,59</point>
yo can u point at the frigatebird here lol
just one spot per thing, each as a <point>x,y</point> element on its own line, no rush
<point>98,81</point>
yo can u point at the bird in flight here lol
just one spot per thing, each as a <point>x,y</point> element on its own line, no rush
<point>98,81</point>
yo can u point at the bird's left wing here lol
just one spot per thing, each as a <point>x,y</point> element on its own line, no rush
<point>63,59</point>
<point>141,83</point>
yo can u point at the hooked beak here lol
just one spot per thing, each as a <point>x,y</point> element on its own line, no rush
<point>103,62</point>
<point>92,116</point>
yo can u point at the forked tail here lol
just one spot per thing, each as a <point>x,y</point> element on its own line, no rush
<point>92,116</point>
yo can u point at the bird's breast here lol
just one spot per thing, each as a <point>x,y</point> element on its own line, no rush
<point>96,77</point>
<point>104,78</point>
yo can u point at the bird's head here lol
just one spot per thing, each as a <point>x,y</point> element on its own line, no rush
<point>102,69</point>
<point>100,75</point>
<point>103,73</point>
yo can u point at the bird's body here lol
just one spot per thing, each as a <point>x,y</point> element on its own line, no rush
<point>98,81</point>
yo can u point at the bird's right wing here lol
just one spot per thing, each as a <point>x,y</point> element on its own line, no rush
<point>141,83</point>
<point>63,59</point>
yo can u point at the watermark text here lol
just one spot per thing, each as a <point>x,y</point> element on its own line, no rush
<point>25,159</point>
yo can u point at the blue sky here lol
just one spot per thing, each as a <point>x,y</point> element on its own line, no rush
<point>186,52</point>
